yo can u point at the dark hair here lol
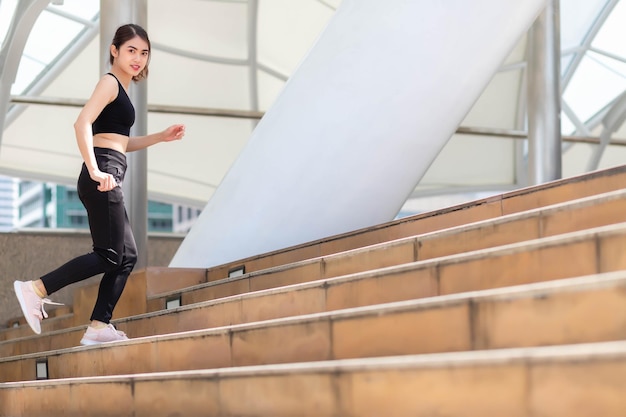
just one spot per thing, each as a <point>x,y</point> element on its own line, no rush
<point>124,34</point>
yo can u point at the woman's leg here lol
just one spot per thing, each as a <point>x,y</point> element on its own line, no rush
<point>103,234</point>
<point>78,269</point>
<point>112,236</point>
<point>107,223</point>
<point>113,282</point>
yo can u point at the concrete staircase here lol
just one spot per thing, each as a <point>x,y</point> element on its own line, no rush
<point>513,305</point>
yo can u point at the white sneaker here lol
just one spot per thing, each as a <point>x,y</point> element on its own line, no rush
<point>106,334</point>
<point>32,305</point>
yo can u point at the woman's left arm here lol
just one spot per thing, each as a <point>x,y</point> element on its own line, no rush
<point>174,132</point>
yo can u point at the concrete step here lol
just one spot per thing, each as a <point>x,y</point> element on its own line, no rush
<point>596,210</point>
<point>516,201</point>
<point>259,326</point>
<point>577,310</point>
<point>560,381</point>
<point>590,212</point>
<point>141,285</point>
<point>53,312</point>
<point>569,255</point>
<point>49,325</point>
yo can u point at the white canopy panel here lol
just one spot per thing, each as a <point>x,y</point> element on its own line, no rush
<point>238,54</point>
<point>353,131</point>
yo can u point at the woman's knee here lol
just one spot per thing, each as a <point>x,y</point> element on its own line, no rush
<point>113,259</point>
<point>130,258</point>
<point>110,257</point>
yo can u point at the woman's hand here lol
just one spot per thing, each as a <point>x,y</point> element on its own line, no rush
<point>174,132</point>
<point>106,182</point>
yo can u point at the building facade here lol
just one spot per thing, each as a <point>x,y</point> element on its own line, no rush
<point>31,204</point>
<point>8,192</point>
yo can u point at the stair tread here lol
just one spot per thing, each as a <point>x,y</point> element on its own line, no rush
<point>544,290</point>
<point>449,231</point>
<point>540,354</point>
<point>618,229</point>
<point>396,318</point>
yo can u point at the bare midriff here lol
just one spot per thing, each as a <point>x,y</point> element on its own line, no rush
<point>113,141</point>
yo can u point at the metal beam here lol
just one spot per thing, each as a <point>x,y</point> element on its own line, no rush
<point>588,39</point>
<point>253,78</point>
<point>55,68</point>
<point>152,108</point>
<point>611,122</point>
<point>114,13</point>
<point>24,18</point>
<point>544,97</point>
<point>243,114</point>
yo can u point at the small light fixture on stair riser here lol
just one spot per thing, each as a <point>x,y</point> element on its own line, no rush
<point>173,302</point>
<point>41,369</point>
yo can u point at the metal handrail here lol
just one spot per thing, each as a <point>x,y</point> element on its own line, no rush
<point>521,134</point>
<point>154,108</point>
<point>256,115</point>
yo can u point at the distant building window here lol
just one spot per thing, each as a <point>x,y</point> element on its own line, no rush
<point>78,221</point>
<point>160,225</point>
<point>72,195</point>
<point>28,185</point>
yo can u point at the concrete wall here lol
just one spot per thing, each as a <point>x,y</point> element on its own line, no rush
<point>27,255</point>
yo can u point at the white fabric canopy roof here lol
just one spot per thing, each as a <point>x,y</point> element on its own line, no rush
<point>238,54</point>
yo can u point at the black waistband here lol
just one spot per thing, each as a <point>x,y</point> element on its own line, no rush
<point>108,151</point>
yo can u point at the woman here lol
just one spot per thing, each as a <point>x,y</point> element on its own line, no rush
<point>102,133</point>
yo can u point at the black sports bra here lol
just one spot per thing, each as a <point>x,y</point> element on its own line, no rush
<point>117,116</point>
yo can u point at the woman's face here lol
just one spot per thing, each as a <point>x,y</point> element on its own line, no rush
<point>132,56</point>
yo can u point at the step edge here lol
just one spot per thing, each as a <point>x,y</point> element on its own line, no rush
<point>568,285</point>
<point>526,355</point>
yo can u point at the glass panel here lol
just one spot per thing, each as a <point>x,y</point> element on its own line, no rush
<point>7,9</point>
<point>565,63</point>
<point>567,127</point>
<point>28,70</point>
<point>85,9</point>
<point>613,65</point>
<point>50,35</point>
<point>577,16</point>
<point>592,87</point>
<point>611,37</point>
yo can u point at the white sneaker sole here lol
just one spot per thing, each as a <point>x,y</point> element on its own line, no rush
<point>89,342</point>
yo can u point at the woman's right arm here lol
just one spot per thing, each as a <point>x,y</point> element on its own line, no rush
<point>103,94</point>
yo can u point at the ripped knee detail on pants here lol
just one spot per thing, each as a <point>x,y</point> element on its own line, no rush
<point>110,257</point>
